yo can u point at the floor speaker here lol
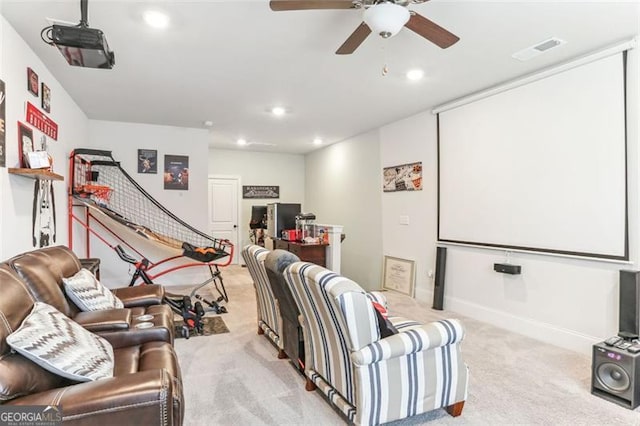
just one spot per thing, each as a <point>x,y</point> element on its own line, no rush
<point>629,312</point>
<point>615,375</point>
<point>438,288</point>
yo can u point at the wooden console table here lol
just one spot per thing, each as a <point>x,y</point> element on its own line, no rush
<point>314,253</point>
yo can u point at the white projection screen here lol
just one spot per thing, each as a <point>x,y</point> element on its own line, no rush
<point>539,167</point>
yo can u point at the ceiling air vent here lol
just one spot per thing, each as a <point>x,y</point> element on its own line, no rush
<point>537,49</point>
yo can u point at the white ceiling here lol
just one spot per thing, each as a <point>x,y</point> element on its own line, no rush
<point>230,61</point>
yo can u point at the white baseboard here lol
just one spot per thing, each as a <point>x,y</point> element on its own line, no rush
<point>424,295</point>
<point>538,330</point>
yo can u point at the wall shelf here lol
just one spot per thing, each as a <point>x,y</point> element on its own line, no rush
<point>35,173</point>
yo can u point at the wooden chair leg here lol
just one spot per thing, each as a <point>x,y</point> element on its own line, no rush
<point>310,386</point>
<point>260,330</point>
<point>281,354</point>
<point>456,409</point>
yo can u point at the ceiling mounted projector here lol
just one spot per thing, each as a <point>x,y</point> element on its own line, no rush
<point>80,45</point>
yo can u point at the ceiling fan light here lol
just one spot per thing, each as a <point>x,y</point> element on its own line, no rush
<point>386,19</point>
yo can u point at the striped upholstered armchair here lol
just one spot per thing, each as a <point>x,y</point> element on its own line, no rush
<point>370,379</point>
<point>269,318</point>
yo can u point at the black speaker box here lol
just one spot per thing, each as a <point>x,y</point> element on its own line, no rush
<point>629,317</point>
<point>507,268</point>
<point>438,288</point>
<point>615,375</point>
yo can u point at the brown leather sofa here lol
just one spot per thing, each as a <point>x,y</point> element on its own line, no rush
<point>42,271</point>
<point>146,386</point>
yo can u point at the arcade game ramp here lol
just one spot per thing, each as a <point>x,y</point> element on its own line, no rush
<point>99,183</point>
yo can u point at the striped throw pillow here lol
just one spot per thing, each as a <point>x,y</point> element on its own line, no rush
<point>88,294</point>
<point>61,346</point>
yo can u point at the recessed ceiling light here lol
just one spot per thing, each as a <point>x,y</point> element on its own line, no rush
<point>156,19</point>
<point>241,141</point>
<point>278,111</point>
<point>208,123</point>
<point>317,141</point>
<point>415,74</point>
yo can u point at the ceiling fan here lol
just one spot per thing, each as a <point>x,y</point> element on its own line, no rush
<point>385,17</point>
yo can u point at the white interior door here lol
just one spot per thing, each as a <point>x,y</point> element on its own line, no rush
<point>223,210</point>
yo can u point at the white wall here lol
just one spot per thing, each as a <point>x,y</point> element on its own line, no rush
<point>124,140</point>
<point>16,192</point>
<point>343,187</point>
<point>568,302</point>
<point>259,168</point>
<point>408,141</point>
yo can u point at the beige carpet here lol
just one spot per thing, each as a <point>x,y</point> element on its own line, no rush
<point>235,378</point>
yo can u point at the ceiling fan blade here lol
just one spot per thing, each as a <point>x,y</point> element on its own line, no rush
<point>278,5</point>
<point>431,31</point>
<point>355,39</point>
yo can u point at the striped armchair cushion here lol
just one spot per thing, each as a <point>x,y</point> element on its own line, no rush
<point>269,318</point>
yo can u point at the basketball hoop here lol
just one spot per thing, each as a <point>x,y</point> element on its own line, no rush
<point>100,193</point>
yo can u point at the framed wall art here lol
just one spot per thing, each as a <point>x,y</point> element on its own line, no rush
<point>260,191</point>
<point>25,144</point>
<point>405,177</point>
<point>176,172</point>
<point>398,275</point>
<point>46,98</point>
<point>32,82</point>
<point>148,161</point>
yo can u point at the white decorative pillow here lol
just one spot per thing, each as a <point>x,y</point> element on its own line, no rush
<point>57,344</point>
<point>88,294</point>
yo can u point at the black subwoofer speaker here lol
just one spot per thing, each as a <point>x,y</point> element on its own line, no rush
<point>438,287</point>
<point>615,375</point>
<point>629,313</point>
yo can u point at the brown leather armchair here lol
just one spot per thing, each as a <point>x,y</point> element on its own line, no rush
<point>146,387</point>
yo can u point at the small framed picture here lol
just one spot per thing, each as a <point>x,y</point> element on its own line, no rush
<point>32,82</point>
<point>25,144</point>
<point>176,172</point>
<point>398,275</point>
<point>46,98</point>
<point>148,161</point>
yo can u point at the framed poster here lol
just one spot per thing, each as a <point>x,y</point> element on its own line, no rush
<point>176,172</point>
<point>32,82</point>
<point>405,177</point>
<point>260,191</point>
<point>3,141</point>
<point>25,144</point>
<point>46,98</point>
<point>148,161</point>
<point>398,275</point>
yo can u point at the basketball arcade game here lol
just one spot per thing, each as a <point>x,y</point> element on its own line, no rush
<point>106,192</point>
